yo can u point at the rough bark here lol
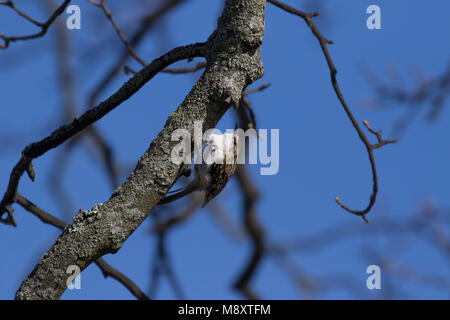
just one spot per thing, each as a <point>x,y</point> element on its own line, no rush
<point>233,62</point>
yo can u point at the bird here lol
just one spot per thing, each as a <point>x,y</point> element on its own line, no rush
<point>218,164</point>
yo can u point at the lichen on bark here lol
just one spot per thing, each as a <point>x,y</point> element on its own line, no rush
<point>233,62</point>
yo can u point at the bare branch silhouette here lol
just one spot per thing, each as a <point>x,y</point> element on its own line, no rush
<point>308,18</point>
<point>44,26</point>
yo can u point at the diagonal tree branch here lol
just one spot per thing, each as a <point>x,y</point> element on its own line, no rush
<point>107,270</point>
<point>233,62</point>
<point>65,132</point>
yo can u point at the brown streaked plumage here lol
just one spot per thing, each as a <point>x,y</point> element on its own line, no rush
<point>220,174</point>
<point>213,174</point>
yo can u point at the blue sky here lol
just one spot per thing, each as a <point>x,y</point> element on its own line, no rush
<point>321,156</point>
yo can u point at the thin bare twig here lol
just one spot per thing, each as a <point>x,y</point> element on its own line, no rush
<point>263,87</point>
<point>255,232</point>
<point>11,4</point>
<point>122,37</point>
<point>134,41</point>
<point>161,262</point>
<point>163,227</point>
<point>197,67</point>
<point>250,224</point>
<point>248,105</point>
<point>308,18</point>
<point>44,26</point>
